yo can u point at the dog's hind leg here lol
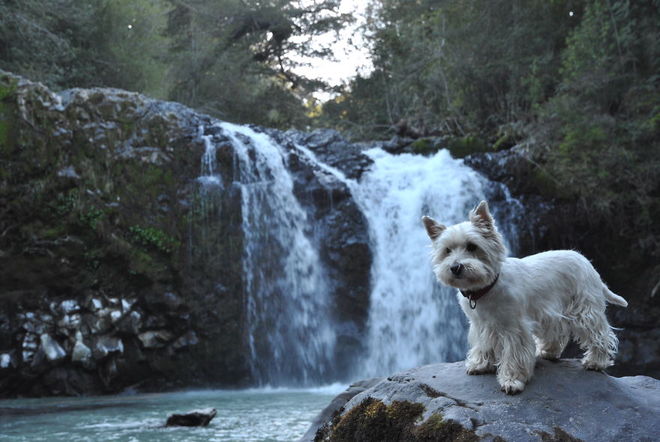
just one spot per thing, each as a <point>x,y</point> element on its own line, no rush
<point>517,360</point>
<point>596,338</point>
<point>551,339</point>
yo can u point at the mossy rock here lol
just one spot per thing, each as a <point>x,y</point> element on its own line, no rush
<point>7,88</point>
<point>425,146</point>
<point>460,147</point>
<point>372,420</point>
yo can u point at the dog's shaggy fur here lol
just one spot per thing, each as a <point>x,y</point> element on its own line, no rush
<point>535,306</point>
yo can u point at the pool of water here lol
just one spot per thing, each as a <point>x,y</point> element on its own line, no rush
<point>243,415</point>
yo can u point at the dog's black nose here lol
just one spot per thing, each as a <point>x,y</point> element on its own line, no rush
<point>456,269</point>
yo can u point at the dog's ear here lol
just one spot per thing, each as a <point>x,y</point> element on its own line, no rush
<point>481,216</point>
<point>433,228</point>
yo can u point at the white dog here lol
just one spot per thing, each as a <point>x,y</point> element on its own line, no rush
<point>521,308</point>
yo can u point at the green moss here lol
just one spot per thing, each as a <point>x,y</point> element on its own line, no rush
<point>504,142</point>
<point>547,185</point>
<point>559,435</point>
<point>154,238</point>
<point>424,146</point>
<point>461,147</point>
<point>435,428</point>
<point>142,263</point>
<point>7,88</point>
<point>372,420</point>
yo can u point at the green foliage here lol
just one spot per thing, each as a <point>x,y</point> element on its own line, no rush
<point>460,147</point>
<point>65,203</point>
<point>153,238</point>
<point>234,59</point>
<point>91,217</point>
<point>455,67</point>
<point>601,126</point>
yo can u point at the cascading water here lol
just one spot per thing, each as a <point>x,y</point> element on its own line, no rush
<point>290,333</point>
<point>412,319</point>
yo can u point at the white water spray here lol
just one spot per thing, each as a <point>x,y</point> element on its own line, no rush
<point>289,322</point>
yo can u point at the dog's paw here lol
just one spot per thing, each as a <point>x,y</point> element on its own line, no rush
<point>550,356</point>
<point>594,366</point>
<point>512,386</point>
<point>480,369</point>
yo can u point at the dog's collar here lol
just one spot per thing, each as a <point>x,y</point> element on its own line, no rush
<point>474,295</point>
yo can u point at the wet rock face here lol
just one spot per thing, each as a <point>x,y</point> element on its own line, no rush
<point>98,193</point>
<point>441,402</point>
<point>332,149</point>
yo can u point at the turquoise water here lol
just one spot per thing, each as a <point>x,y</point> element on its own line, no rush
<point>244,415</point>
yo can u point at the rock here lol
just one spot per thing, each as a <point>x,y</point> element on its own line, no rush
<point>194,418</point>
<point>331,148</point>
<point>337,404</point>
<point>94,304</point>
<point>187,340</point>
<point>155,338</point>
<point>5,360</point>
<point>68,306</point>
<point>131,323</point>
<point>68,172</point>
<point>106,345</point>
<point>50,348</point>
<point>81,353</point>
<point>441,402</point>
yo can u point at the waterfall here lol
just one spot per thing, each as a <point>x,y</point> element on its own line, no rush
<point>412,320</point>
<point>290,332</point>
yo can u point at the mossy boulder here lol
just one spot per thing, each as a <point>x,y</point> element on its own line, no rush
<point>440,402</point>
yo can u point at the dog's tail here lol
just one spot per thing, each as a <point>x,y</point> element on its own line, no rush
<point>613,298</point>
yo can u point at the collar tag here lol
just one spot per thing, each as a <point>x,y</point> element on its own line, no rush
<point>474,295</point>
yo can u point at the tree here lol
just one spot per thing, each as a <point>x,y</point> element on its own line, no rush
<point>236,58</point>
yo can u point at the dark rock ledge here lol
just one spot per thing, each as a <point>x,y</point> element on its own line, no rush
<point>440,402</point>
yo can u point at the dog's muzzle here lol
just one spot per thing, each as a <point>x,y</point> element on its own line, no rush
<point>457,269</point>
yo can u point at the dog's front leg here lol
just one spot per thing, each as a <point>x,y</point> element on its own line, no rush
<point>481,356</point>
<point>517,359</point>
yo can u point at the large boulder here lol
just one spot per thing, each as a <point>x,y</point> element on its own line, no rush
<point>441,402</point>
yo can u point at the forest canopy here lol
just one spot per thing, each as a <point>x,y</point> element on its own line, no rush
<point>575,81</point>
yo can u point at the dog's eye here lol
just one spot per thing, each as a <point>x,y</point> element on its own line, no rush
<point>447,250</point>
<point>471,247</point>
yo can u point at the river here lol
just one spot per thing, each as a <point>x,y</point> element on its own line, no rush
<point>243,415</point>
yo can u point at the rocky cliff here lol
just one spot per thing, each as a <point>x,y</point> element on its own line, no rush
<point>117,269</point>
<point>562,402</point>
